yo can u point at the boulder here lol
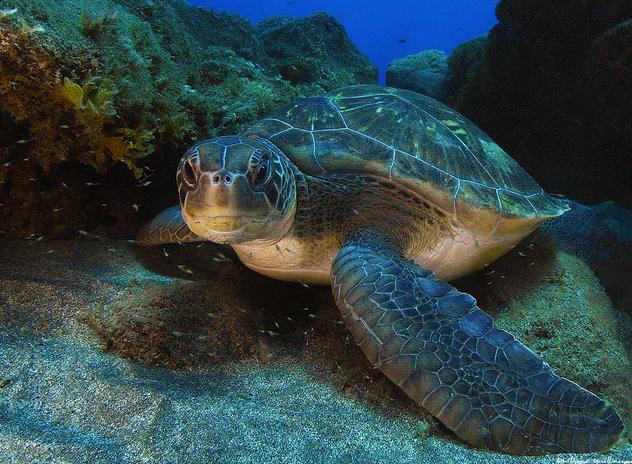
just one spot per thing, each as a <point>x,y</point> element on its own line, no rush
<point>423,72</point>
<point>315,50</point>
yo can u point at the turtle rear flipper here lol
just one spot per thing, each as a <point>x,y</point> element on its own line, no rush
<point>445,353</point>
<point>166,227</point>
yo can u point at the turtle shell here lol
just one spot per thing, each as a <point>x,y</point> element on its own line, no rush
<point>415,141</point>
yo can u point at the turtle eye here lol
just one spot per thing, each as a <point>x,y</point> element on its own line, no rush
<point>261,171</point>
<point>188,173</point>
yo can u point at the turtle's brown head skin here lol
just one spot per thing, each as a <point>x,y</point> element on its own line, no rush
<point>237,189</point>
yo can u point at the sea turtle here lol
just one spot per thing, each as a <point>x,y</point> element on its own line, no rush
<point>386,195</point>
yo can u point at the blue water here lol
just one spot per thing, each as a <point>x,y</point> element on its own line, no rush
<point>377,27</point>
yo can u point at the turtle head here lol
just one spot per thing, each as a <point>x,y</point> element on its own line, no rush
<point>237,189</point>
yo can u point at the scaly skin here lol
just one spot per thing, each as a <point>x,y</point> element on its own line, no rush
<point>167,227</point>
<point>446,354</point>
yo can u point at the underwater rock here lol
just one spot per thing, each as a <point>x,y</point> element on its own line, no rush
<point>315,49</point>
<point>465,76</point>
<point>552,83</point>
<point>608,76</point>
<point>423,72</point>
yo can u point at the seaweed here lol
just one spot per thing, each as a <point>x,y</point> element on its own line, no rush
<point>94,111</point>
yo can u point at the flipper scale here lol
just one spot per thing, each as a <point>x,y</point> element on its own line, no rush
<point>166,227</point>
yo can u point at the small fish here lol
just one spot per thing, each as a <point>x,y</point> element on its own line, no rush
<point>7,164</point>
<point>92,184</point>
<point>7,12</point>
<point>165,252</point>
<point>32,29</point>
<point>222,258</point>
<point>402,41</point>
<point>183,268</point>
<point>522,254</point>
<point>144,184</point>
<point>136,207</point>
<point>63,184</point>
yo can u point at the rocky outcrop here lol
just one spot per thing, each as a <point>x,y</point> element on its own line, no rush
<point>313,50</point>
<point>425,72</point>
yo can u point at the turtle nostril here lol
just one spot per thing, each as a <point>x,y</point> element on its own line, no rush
<point>216,179</point>
<point>227,179</point>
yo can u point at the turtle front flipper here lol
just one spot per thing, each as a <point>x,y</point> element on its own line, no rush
<point>445,352</point>
<point>167,227</point>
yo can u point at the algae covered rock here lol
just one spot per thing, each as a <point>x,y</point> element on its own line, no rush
<point>466,82</point>
<point>315,49</point>
<point>99,99</point>
<point>424,72</point>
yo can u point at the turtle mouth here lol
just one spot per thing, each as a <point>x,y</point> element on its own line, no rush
<point>228,223</point>
<point>225,223</point>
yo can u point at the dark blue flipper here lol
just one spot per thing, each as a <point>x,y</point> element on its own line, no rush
<point>446,354</point>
